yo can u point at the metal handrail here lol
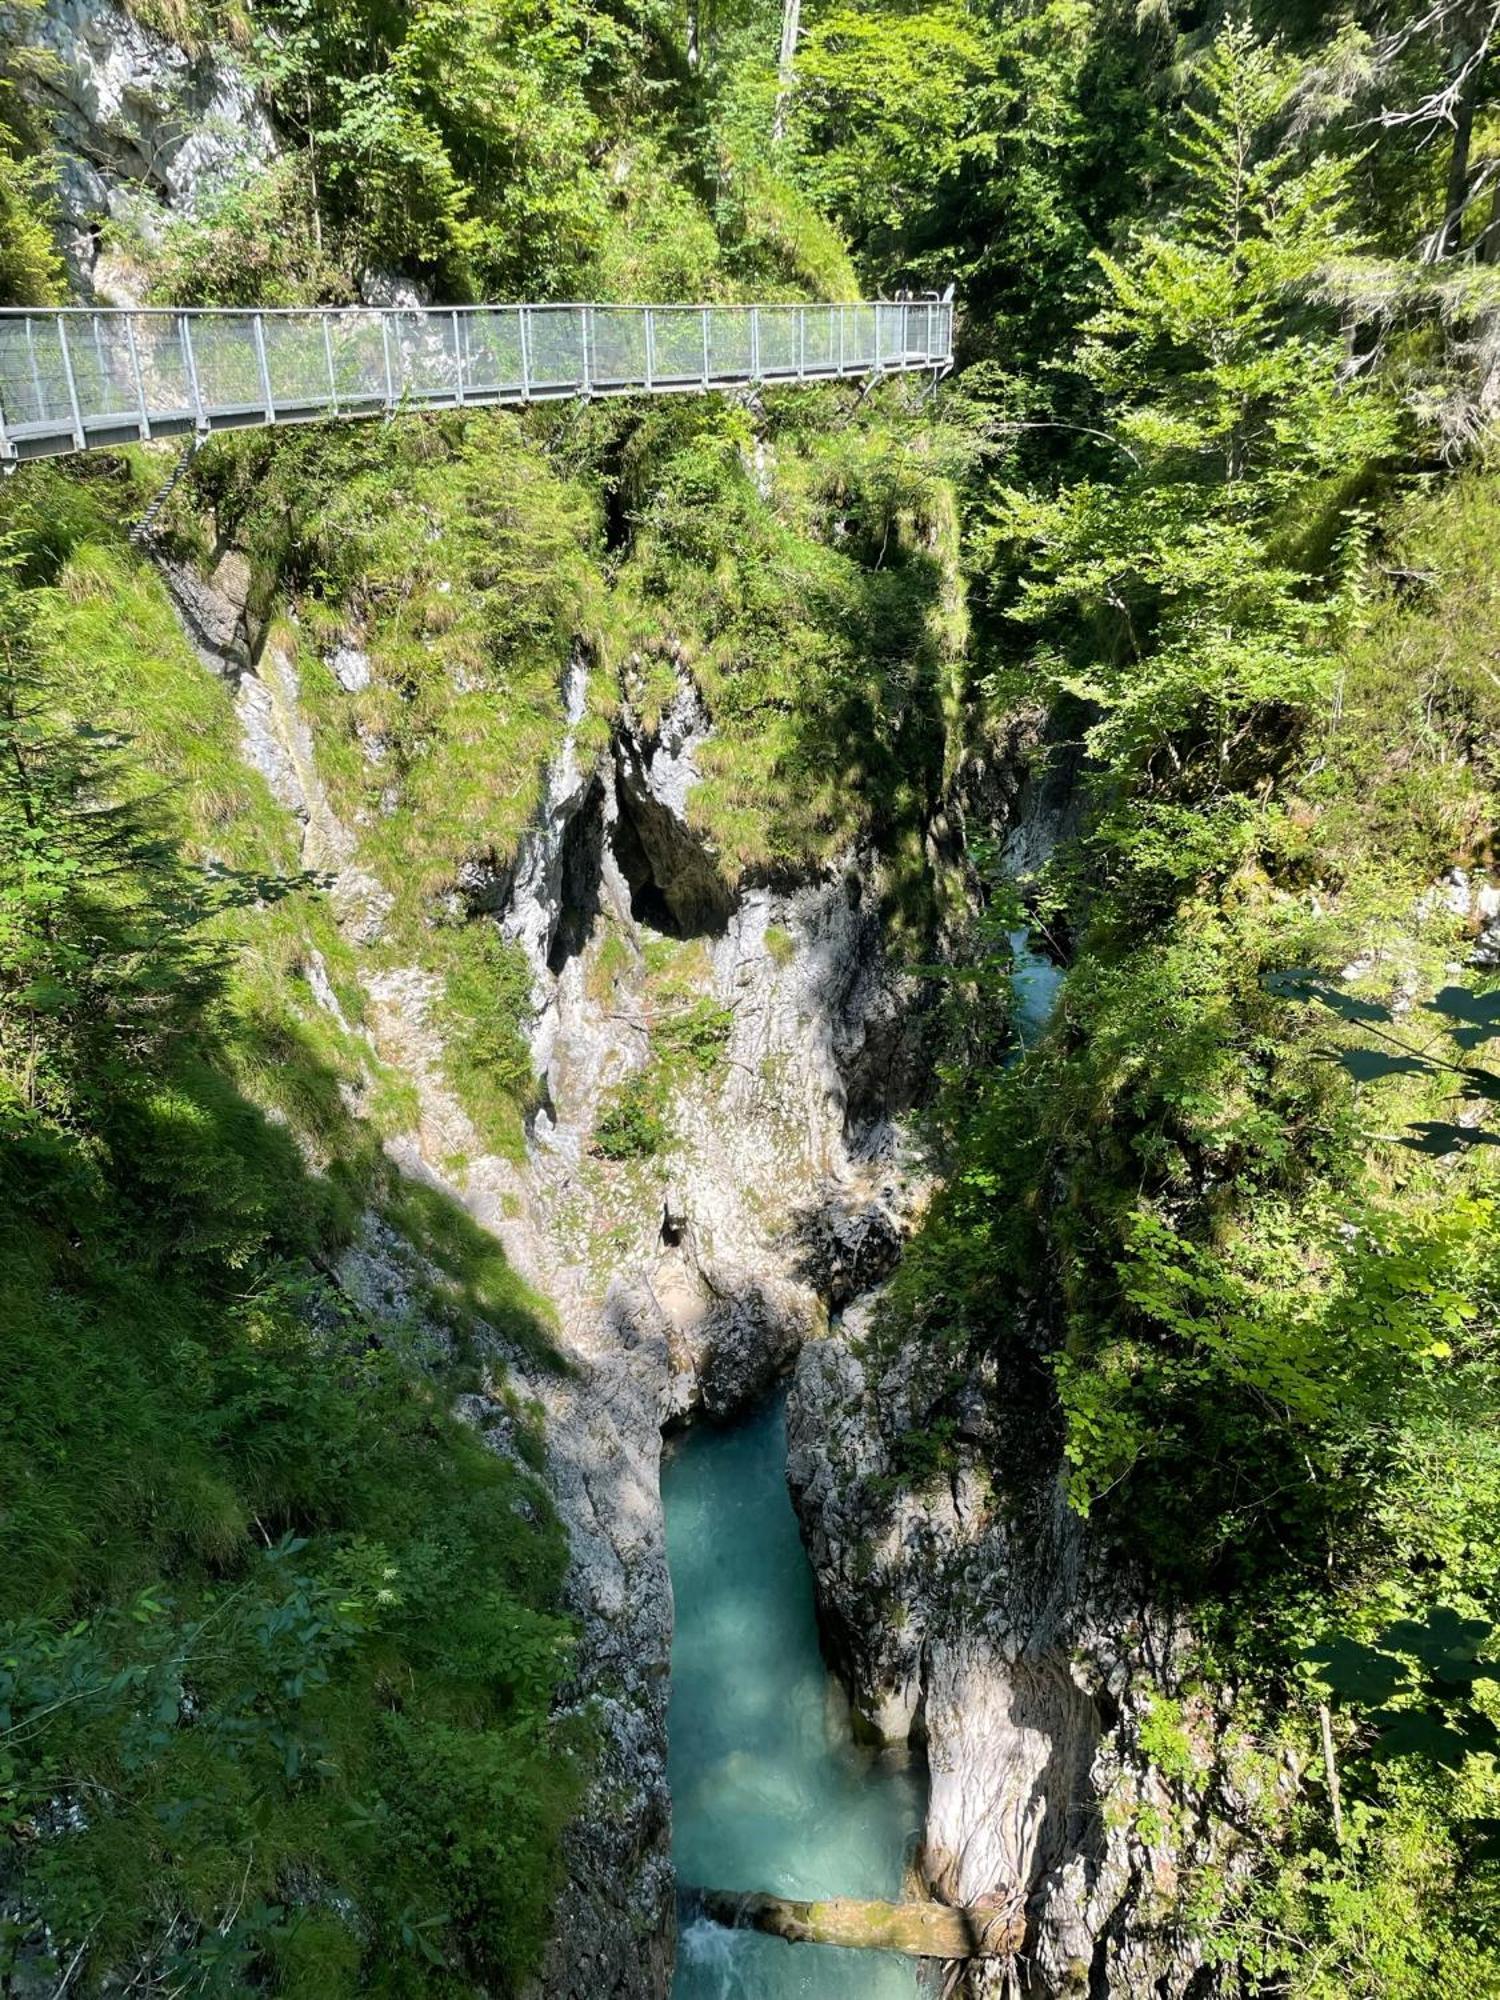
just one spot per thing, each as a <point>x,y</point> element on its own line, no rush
<point>78,378</point>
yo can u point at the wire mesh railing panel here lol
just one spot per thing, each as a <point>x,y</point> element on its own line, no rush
<point>677,351</point>
<point>225,365</point>
<point>492,351</point>
<point>730,354</point>
<point>356,343</point>
<point>102,375</point>
<point>160,365</point>
<point>862,337</point>
<point>296,365</point>
<point>554,348</point>
<point>617,347</point>
<point>33,381</point>
<point>820,339</point>
<point>777,341</point>
<point>425,356</point>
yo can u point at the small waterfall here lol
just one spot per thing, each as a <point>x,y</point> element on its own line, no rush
<point>713,1961</point>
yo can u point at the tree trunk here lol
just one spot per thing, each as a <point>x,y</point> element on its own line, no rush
<point>922,1930</point>
<point>1487,250</point>
<point>1471,51</point>
<point>791,18</point>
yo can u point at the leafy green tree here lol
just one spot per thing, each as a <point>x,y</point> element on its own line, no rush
<point>989,146</point>
<point>30,269</point>
<point>450,139</point>
<point>1415,1681</point>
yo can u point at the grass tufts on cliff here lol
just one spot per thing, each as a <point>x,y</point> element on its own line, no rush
<point>278,1637</point>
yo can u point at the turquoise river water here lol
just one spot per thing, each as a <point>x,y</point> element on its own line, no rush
<point>769,1790</point>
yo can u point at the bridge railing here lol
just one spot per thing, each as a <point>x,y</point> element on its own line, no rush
<point>76,377</point>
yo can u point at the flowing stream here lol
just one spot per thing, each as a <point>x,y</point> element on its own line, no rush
<point>769,1789</point>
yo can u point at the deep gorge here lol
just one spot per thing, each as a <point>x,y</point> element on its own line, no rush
<point>747,1140</point>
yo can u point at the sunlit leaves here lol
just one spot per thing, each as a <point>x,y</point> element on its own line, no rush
<point>1219,370</point>
<point>1477,1019</point>
<point>1413,1683</point>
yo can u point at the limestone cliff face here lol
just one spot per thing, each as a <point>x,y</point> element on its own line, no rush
<point>972,1614</point>
<point>142,129</point>
<point>685,1281</point>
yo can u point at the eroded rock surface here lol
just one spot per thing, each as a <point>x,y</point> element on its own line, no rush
<point>683,1282</point>
<point>969,1611</point>
<point>143,130</point>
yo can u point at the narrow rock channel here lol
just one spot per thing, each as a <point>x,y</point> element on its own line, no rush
<point>769,1789</point>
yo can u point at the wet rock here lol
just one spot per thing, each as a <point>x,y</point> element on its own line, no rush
<point>850,1243</point>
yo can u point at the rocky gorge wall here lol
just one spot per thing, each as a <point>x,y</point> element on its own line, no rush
<point>969,1615</point>
<point>684,1280</point>
<point>143,132</point>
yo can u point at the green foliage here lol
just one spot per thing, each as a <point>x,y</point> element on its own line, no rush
<point>1472,1019</point>
<point>485,1010</point>
<point>693,1037</point>
<point>991,146</point>
<point>886,115</point>
<point>1165,1739</point>
<point>256,1577</point>
<point>688,1037</point>
<point>455,139</point>
<point>633,1122</point>
<point>1228,413</point>
<point>1415,1681</point>
<point>30,269</point>
<point>468,1280</point>
<point>256,242</point>
<point>819,619</point>
<point>1260,1333</point>
<point>781,947</point>
<point>468,625</point>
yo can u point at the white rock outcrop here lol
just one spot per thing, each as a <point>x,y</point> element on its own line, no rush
<point>143,129</point>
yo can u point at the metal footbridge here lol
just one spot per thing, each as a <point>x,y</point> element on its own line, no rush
<point>79,378</point>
